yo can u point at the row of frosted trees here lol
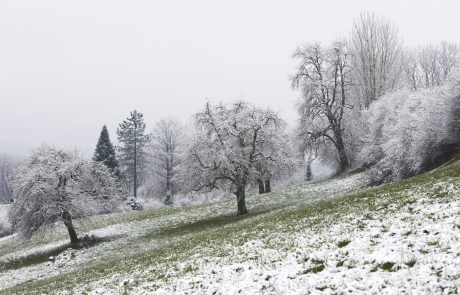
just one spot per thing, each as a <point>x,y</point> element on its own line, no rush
<point>369,100</point>
<point>232,146</point>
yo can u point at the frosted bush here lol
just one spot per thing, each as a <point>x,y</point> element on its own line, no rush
<point>408,132</point>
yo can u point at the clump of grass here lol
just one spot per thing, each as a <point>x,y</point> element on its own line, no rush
<point>388,266</point>
<point>314,269</point>
<point>343,243</point>
<point>411,262</point>
<point>433,243</point>
<point>407,233</point>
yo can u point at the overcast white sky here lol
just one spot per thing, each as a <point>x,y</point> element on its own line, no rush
<point>68,67</point>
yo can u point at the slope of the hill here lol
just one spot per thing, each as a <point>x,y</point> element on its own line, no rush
<point>326,237</point>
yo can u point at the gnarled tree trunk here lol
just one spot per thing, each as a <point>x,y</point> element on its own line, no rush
<point>68,223</point>
<point>241,200</point>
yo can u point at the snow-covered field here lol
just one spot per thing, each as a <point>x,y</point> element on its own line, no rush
<point>335,236</point>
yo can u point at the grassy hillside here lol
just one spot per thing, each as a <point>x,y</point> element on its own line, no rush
<point>334,235</point>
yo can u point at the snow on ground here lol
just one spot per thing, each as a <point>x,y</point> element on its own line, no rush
<point>294,242</point>
<point>397,253</point>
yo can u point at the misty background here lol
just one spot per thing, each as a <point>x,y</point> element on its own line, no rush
<point>67,68</point>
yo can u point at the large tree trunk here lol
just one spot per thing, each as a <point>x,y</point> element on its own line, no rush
<point>241,200</point>
<point>343,158</point>
<point>261,186</point>
<point>68,223</point>
<point>268,188</point>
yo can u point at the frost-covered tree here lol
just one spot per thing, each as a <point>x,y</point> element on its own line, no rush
<point>323,78</point>
<point>57,186</point>
<point>165,151</point>
<point>8,167</point>
<point>133,151</point>
<point>230,141</point>
<point>105,152</point>
<point>431,66</point>
<point>274,141</point>
<point>376,57</point>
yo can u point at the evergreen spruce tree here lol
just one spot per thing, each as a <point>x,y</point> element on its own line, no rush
<point>105,152</point>
<point>133,156</point>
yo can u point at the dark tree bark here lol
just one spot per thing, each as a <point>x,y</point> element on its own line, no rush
<point>241,200</point>
<point>343,158</point>
<point>268,188</point>
<point>68,223</point>
<point>308,174</point>
<point>261,186</point>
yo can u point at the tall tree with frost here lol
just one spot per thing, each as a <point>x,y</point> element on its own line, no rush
<point>230,141</point>
<point>274,141</point>
<point>105,152</point>
<point>165,152</point>
<point>8,167</point>
<point>323,78</point>
<point>133,156</point>
<point>56,186</point>
<point>431,66</point>
<point>376,57</point>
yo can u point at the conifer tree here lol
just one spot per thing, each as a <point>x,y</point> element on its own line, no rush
<point>133,156</point>
<point>105,152</point>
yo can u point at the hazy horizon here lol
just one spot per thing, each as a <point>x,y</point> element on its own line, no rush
<point>67,68</point>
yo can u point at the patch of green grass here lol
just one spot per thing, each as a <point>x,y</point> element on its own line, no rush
<point>314,269</point>
<point>387,266</point>
<point>411,262</point>
<point>343,243</point>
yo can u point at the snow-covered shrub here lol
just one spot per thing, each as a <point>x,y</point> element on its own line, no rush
<point>408,132</point>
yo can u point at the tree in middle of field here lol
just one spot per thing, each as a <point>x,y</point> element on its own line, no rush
<point>230,142</point>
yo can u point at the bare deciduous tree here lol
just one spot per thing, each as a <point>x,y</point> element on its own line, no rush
<point>430,66</point>
<point>167,139</point>
<point>8,166</point>
<point>56,186</point>
<point>323,78</point>
<point>376,57</point>
<point>230,141</point>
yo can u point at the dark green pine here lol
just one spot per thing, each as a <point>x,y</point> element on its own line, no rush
<point>105,152</point>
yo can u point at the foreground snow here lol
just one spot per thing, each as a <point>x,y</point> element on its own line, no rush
<point>327,237</point>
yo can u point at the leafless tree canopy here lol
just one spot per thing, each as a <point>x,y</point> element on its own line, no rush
<point>430,65</point>
<point>8,167</point>
<point>55,185</point>
<point>231,140</point>
<point>376,57</point>
<point>165,152</point>
<point>324,80</point>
